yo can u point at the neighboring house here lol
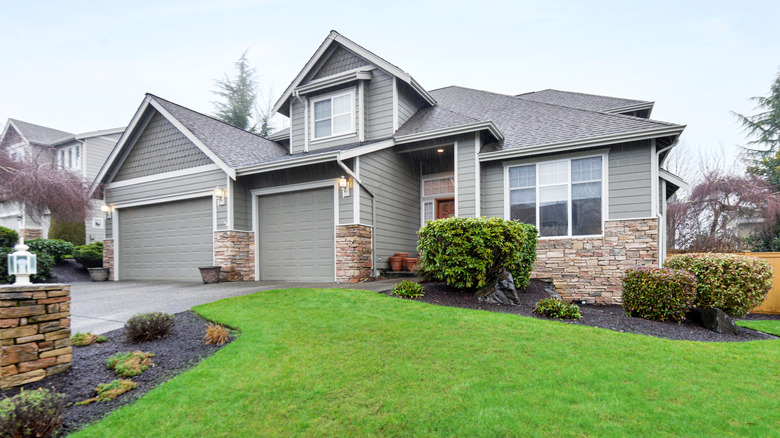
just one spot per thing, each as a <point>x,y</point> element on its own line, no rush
<point>81,153</point>
<point>371,155</point>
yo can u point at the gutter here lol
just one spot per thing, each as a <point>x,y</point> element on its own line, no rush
<point>455,130</point>
<point>373,212</point>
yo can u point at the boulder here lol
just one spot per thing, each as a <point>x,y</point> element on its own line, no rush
<point>718,321</point>
<point>499,291</point>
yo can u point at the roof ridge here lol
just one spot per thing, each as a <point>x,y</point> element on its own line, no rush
<point>584,94</point>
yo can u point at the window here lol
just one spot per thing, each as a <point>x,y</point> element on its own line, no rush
<point>70,158</point>
<point>77,163</point>
<point>562,198</point>
<point>333,115</point>
<point>62,159</point>
<point>438,188</point>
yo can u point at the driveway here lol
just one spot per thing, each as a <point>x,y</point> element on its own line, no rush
<point>100,307</point>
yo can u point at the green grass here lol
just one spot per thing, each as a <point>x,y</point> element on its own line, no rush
<point>769,326</point>
<point>355,363</point>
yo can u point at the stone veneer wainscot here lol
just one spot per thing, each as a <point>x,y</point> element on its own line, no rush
<point>353,253</point>
<point>108,257</point>
<point>234,251</point>
<point>590,268</point>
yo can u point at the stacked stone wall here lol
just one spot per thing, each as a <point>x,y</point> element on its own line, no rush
<point>590,268</point>
<point>234,252</point>
<point>353,253</point>
<point>108,257</point>
<point>34,332</point>
<point>31,233</point>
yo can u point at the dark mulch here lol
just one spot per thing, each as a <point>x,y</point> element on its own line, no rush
<point>609,317</point>
<point>68,271</point>
<point>183,349</point>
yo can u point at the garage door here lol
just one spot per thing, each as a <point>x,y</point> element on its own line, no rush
<point>166,241</point>
<point>296,236</point>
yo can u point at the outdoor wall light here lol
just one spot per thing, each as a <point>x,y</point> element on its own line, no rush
<point>220,195</point>
<point>22,264</point>
<point>106,209</point>
<point>440,150</point>
<point>344,186</point>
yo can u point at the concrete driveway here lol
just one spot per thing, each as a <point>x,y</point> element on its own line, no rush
<point>100,307</point>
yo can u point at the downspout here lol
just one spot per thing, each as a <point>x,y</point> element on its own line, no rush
<point>662,215</point>
<point>373,213</point>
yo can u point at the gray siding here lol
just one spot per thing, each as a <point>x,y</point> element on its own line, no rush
<point>96,151</point>
<point>297,126</point>
<point>407,103</point>
<point>167,187</point>
<point>466,177</point>
<point>95,234</point>
<point>242,204</point>
<point>340,60</point>
<point>630,180</point>
<point>346,207</point>
<point>297,175</point>
<point>492,187</point>
<point>393,178</point>
<point>366,216</point>
<point>160,148</point>
<point>379,106</point>
<point>109,229</point>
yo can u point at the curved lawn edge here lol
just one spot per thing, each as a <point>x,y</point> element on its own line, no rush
<point>348,362</point>
<point>767,326</point>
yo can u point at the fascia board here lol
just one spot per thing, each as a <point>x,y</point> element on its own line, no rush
<point>363,150</point>
<point>456,130</point>
<point>309,65</point>
<point>285,164</point>
<point>100,133</point>
<point>360,73</point>
<point>674,179</point>
<point>635,107</point>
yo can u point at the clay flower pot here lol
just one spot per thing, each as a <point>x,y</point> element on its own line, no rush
<point>403,255</point>
<point>210,274</point>
<point>396,263</point>
<point>411,263</point>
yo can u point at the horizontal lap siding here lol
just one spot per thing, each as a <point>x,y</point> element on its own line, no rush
<point>366,216</point>
<point>393,180</point>
<point>406,103</point>
<point>96,151</point>
<point>629,180</point>
<point>492,189</point>
<point>242,219</point>
<point>466,176</point>
<point>94,234</point>
<point>167,187</point>
<point>379,106</point>
<point>297,126</point>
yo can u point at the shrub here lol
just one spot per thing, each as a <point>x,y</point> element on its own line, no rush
<point>130,364</point>
<point>53,247</point>
<point>84,339</point>
<point>8,237</point>
<point>148,326</point>
<point>36,413</point>
<point>216,334</point>
<point>555,308</point>
<point>733,283</point>
<point>45,264</point>
<point>658,294</point>
<point>466,253</point>
<point>110,391</point>
<point>73,232</point>
<point>90,256</point>
<point>408,289</point>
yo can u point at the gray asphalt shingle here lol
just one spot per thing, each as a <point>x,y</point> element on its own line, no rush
<point>579,100</point>
<point>39,134</point>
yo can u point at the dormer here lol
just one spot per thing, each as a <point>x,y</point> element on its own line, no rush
<point>347,95</point>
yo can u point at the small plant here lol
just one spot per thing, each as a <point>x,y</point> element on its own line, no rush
<point>89,256</point>
<point>56,248</point>
<point>216,334</point>
<point>110,391</point>
<point>84,339</point>
<point>408,289</point>
<point>148,326</point>
<point>658,294</point>
<point>36,413</point>
<point>130,364</point>
<point>555,308</point>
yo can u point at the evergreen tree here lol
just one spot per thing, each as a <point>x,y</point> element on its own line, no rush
<point>238,97</point>
<point>764,129</point>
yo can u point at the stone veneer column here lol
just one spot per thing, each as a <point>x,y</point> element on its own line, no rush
<point>31,233</point>
<point>234,251</point>
<point>34,332</point>
<point>590,268</point>
<point>353,253</point>
<point>108,257</point>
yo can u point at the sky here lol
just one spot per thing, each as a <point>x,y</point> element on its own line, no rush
<point>83,66</point>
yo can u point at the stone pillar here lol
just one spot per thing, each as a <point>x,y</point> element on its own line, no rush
<point>108,257</point>
<point>34,332</point>
<point>590,268</point>
<point>31,233</point>
<point>353,253</point>
<point>234,251</point>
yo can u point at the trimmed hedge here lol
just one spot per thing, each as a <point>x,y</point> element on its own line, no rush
<point>658,294</point>
<point>733,283</point>
<point>53,247</point>
<point>90,256</point>
<point>8,237</point>
<point>466,252</point>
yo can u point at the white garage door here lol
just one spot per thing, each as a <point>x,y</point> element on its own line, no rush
<point>166,241</point>
<point>296,236</point>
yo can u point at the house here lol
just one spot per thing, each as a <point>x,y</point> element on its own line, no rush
<point>81,153</point>
<point>369,157</point>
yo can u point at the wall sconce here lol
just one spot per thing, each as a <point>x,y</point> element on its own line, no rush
<point>344,186</point>
<point>220,195</point>
<point>106,209</point>
<point>22,264</point>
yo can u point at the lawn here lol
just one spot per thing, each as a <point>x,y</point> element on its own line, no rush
<point>313,362</point>
<point>768,326</point>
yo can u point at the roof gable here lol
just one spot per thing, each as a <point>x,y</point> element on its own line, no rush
<point>10,137</point>
<point>340,60</point>
<point>37,133</point>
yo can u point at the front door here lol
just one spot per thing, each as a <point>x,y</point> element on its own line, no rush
<point>445,208</point>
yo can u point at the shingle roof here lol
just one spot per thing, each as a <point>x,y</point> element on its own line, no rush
<point>39,134</point>
<point>433,119</point>
<point>524,122</point>
<point>232,145</point>
<point>580,100</point>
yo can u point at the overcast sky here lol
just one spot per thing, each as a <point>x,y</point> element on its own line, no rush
<point>84,66</point>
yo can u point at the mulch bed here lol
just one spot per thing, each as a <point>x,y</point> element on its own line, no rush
<point>182,350</point>
<point>609,317</point>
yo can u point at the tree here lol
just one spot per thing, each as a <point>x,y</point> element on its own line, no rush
<point>764,129</point>
<point>239,100</point>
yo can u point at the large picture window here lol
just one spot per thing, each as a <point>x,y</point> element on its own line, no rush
<point>333,115</point>
<point>562,198</point>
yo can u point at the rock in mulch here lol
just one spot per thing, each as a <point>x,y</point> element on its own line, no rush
<point>718,321</point>
<point>499,291</point>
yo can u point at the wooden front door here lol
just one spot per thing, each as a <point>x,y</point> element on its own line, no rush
<point>445,208</point>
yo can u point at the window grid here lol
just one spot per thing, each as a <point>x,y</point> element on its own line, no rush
<point>333,115</point>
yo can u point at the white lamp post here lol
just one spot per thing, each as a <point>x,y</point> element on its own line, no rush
<point>22,264</point>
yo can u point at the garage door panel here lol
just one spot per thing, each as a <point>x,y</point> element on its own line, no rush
<point>296,236</point>
<point>166,241</point>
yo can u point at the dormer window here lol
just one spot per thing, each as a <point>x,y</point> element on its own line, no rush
<point>334,115</point>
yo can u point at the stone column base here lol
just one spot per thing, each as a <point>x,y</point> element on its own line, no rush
<point>234,251</point>
<point>353,253</point>
<point>108,257</point>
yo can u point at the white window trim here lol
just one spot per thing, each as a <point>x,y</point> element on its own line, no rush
<point>102,222</point>
<point>568,160</point>
<point>432,199</point>
<point>331,96</point>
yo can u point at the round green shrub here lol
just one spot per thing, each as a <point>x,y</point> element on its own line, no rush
<point>148,326</point>
<point>8,237</point>
<point>53,247</point>
<point>89,256</point>
<point>733,283</point>
<point>45,263</point>
<point>658,294</point>
<point>555,308</point>
<point>73,232</point>
<point>467,253</point>
<point>408,289</point>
